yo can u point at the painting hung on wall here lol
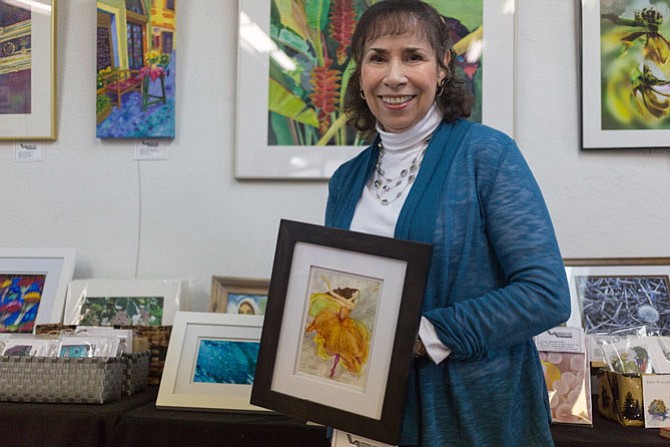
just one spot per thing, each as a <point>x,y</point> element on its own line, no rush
<point>27,70</point>
<point>625,73</point>
<point>135,63</point>
<point>294,68</point>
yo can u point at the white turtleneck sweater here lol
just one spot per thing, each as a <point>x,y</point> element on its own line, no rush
<point>400,148</point>
<point>372,217</point>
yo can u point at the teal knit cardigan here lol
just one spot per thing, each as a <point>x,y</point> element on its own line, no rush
<point>496,279</point>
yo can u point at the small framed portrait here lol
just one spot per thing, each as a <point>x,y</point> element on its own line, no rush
<point>245,296</point>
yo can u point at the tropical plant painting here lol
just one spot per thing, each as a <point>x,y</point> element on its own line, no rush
<point>226,361</point>
<point>246,304</point>
<point>113,311</point>
<point>135,63</point>
<point>15,59</point>
<point>307,84</point>
<point>20,298</point>
<point>340,316</point>
<point>635,61</point>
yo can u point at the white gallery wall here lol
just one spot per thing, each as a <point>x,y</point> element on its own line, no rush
<point>188,217</point>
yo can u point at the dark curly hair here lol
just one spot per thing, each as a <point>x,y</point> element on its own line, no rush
<point>393,18</point>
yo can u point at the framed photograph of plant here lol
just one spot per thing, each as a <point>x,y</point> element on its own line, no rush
<point>613,296</point>
<point>28,70</point>
<point>625,69</point>
<point>342,317</point>
<point>294,66</point>
<point>136,69</point>
<point>115,302</point>
<point>247,296</point>
<point>210,362</point>
<point>33,282</point>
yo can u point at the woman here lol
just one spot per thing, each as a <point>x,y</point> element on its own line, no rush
<point>496,277</point>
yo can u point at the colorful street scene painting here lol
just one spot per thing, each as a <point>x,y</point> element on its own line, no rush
<point>226,361</point>
<point>135,83</point>
<point>20,298</point>
<point>635,61</point>
<point>15,58</point>
<point>307,83</point>
<point>341,311</point>
<point>113,311</point>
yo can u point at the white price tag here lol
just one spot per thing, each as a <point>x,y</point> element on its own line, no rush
<point>343,439</point>
<point>28,151</point>
<point>151,150</point>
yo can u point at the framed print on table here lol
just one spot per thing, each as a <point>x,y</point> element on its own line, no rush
<point>118,302</point>
<point>28,70</point>
<point>625,70</point>
<point>247,296</point>
<point>33,282</point>
<point>618,295</point>
<point>293,71</point>
<point>342,317</point>
<point>210,362</point>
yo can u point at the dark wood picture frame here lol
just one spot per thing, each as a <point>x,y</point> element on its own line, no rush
<point>353,256</point>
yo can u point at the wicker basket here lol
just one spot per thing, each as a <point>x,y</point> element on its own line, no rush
<point>159,337</point>
<point>135,373</point>
<point>60,380</point>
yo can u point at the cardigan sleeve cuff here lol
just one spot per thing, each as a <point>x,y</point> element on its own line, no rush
<point>434,347</point>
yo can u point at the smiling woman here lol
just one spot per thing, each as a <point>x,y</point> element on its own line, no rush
<point>496,277</point>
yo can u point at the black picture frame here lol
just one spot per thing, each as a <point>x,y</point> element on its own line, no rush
<point>291,377</point>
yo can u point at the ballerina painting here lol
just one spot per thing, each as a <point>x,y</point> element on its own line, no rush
<point>340,322</point>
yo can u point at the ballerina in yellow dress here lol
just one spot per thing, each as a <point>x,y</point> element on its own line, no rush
<point>337,334</point>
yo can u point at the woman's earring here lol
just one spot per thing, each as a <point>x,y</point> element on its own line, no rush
<point>362,95</point>
<point>440,87</point>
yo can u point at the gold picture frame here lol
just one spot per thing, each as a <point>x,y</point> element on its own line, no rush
<point>28,65</point>
<point>239,295</point>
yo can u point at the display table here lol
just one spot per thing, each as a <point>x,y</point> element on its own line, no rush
<point>606,433</point>
<point>45,424</point>
<point>134,421</point>
<point>148,426</point>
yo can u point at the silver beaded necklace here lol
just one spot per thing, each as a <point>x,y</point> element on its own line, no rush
<point>386,188</point>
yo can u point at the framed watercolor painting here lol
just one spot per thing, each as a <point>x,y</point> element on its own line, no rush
<point>247,296</point>
<point>115,302</point>
<point>136,69</point>
<point>210,362</point>
<point>28,70</point>
<point>293,71</point>
<point>33,282</point>
<point>613,296</point>
<point>363,288</point>
<point>625,74</point>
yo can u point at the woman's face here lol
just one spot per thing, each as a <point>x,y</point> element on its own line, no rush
<point>399,77</point>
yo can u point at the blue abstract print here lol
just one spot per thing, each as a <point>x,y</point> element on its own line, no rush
<point>223,361</point>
